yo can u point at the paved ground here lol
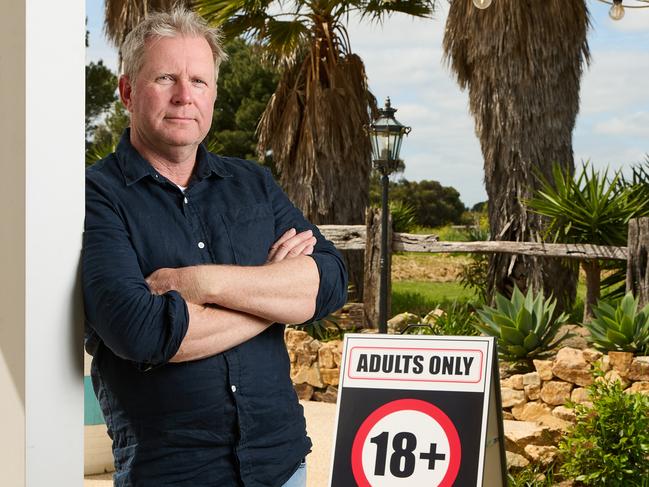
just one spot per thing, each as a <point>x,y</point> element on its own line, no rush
<point>320,419</point>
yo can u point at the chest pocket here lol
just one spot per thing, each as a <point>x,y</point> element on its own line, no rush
<point>251,230</point>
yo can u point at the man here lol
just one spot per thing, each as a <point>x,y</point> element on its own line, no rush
<point>190,262</point>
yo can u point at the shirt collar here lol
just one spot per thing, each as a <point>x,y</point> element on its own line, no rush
<point>135,167</point>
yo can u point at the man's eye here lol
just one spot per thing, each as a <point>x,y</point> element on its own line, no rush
<point>198,81</point>
<point>165,78</point>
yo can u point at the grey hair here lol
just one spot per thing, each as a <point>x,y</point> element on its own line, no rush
<point>177,22</point>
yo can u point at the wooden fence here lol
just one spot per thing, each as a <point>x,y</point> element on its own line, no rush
<point>361,237</point>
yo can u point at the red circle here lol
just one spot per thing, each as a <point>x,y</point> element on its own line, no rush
<point>408,405</point>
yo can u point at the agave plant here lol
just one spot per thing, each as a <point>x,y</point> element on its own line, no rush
<point>526,325</point>
<point>622,328</point>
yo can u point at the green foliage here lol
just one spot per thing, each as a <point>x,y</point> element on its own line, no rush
<point>621,328</point>
<point>101,84</point>
<point>244,87</point>
<point>323,330</point>
<point>609,444</point>
<point>457,320</point>
<point>589,208</point>
<point>107,134</point>
<point>526,326</point>
<point>403,217</point>
<point>474,275</point>
<point>532,476</point>
<point>435,205</point>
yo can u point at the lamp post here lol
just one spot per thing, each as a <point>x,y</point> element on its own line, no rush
<point>386,134</point>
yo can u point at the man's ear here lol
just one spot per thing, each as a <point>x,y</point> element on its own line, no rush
<point>125,91</point>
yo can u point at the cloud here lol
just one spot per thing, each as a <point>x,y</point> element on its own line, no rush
<point>630,124</point>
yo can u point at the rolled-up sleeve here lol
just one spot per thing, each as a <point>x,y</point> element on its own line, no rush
<point>119,307</point>
<point>332,289</point>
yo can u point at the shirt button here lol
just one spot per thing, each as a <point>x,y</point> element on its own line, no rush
<point>201,245</point>
<point>185,200</point>
<point>234,388</point>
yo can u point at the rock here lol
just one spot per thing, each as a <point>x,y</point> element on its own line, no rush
<point>578,339</point>
<point>519,434</point>
<point>639,369</point>
<point>605,363</point>
<point>565,413</point>
<point>508,416</point>
<point>565,483</point>
<point>591,355</point>
<point>399,322</point>
<point>615,376</point>
<point>516,382</point>
<point>557,426</point>
<point>511,397</point>
<point>533,392</point>
<point>431,317</point>
<point>532,379</point>
<point>530,411</point>
<point>309,374</point>
<point>555,393</point>
<point>304,391</point>
<point>544,369</point>
<point>330,395</point>
<point>543,455</point>
<point>639,387</point>
<point>295,338</point>
<point>506,383</point>
<point>570,365</point>
<point>580,395</point>
<point>327,354</point>
<point>330,376</point>
<point>620,361</point>
<point>516,461</point>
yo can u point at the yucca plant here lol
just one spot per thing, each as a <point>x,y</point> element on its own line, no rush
<point>621,328</point>
<point>525,325</point>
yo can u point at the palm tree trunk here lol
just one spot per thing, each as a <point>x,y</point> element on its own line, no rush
<point>521,62</point>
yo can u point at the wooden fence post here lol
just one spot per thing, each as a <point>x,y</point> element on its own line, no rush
<point>371,286</point>
<point>637,268</point>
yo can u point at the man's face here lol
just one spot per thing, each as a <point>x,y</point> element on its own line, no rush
<point>172,99</point>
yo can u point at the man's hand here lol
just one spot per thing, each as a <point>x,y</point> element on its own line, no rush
<point>291,244</point>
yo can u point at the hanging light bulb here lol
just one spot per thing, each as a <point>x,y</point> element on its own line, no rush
<point>617,10</point>
<point>482,4</point>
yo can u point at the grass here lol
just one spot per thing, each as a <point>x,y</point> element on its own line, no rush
<point>420,297</point>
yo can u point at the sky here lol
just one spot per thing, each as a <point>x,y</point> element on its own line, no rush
<point>403,60</point>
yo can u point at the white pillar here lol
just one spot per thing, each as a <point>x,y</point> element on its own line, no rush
<point>41,216</point>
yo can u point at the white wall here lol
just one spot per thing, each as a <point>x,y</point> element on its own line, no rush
<point>41,218</point>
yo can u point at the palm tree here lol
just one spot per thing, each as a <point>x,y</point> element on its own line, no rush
<point>521,61</point>
<point>314,123</point>
<point>120,16</point>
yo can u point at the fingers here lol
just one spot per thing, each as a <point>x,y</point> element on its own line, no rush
<point>292,244</point>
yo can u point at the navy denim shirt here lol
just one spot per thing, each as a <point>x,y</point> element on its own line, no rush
<point>219,421</point>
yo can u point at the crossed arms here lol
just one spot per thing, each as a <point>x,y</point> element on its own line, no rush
<point>284,290</point>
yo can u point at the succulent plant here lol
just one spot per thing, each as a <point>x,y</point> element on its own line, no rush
<point>621,328</point>
<point>524,325</point>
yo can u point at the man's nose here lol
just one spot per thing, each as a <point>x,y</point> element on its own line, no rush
<point>182,93</point>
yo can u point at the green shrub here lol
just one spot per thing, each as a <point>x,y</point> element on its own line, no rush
<point>621,328</point>
<point>526,326</point>
<point>458,319</point>
<point>609,444</point>
<point>404,217</point>
<point>323,330</point>
<point>532,476</point>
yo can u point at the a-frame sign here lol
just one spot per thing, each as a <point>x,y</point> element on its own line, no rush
<point>418,410</point>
